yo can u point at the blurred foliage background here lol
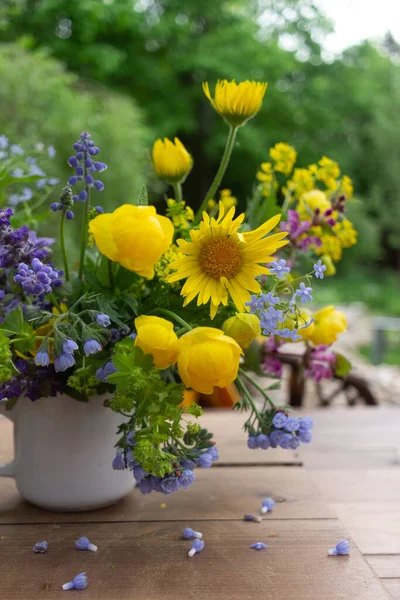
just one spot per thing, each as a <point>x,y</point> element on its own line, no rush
<point>130,71</point>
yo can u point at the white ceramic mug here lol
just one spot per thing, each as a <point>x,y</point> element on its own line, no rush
<point>63,454</point>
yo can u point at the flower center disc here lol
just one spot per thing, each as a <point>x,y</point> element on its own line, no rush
<point>221,257</point>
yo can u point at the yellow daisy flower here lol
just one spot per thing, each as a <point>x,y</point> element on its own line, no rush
<point>219,260</point>
<point>236,102</point>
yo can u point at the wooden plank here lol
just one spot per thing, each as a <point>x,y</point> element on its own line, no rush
<point>147,561</point>
<point>374,526</point>
<point>231,440</point>
<point>359,485</point>
<point>393,587</point>
<point>216,494</point>
<point>385,565</point>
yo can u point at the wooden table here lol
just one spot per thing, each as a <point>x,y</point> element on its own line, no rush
<point>141,554</point>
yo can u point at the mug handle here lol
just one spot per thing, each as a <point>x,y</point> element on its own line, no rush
<point>7,469</point>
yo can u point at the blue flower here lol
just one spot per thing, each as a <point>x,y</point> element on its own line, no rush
<point>319,269</point>
<point>16,150</point>
<point>130,438</point>
<point>104,372</point>
<point>42,359</point>
<point>118,464</point>
<point>252,518</point>
<point>285,441</point>
<point>258,546</point>
<point>279,420</point>
<point>304,292</point>
<point>275,437</point>
<point>155,483</point>
<point>91,347</point>
<point>170,484</point>
<point>69,346</point>
<point>252,442</point>
<point>37,280</point>
<point>99,185</point>
<point>267,505</point>
<point>103,320</point>
<point>139,473</point>
<point>3,141</point>
<point>84,544</point>
<point>294,443</point>
<point>188,534</point>
<point>40,547</point>
<point>197,546</point>
<point>342,548</point>
<point>78,583</point>
<point>306,423</point>
<point>213,452</point>
<point>186,479</point>
<point>263,441</point>
<point>145,486</point>
<point>63,362</point>
<point>51,151</point>
<point>292,424</point>
<point>205,460</point>
<point>304,436</point>
<point>5,215</point>
<point>278,268</point>
<point>269,319</point>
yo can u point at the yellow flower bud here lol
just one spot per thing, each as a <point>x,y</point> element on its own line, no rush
<point>328,262</point>
<point>171,161</point>
<point>310,201</point>
<point>299,322</point>
<point>207,358</point>
<point>236,102</point>
<point>243,328</point>
<point>328,323</point>
<point>156,336</point>
<point>134,236</point>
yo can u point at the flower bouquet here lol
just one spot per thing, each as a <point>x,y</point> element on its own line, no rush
<point>162,304</point>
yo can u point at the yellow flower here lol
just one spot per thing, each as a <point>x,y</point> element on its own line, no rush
<point>207,358</point>
<point>346,187</point>
<point>225,196</point>
<point>310,201</point>
<point>328,172</point>
<point>328,323</point>
<point>156,336</point>
<point>302,321</point>
<point>331,246</point>
<point>163,266</point>
<point>236,102</point>
<point>346,233</point>
<point>302,181</point>
<point>266,174</point>
<point>134,236</point>
<point>219,260</point>
<point>284,157</point>
<point>330,267</point>
<point>179,213</point>
<point>243,328</point>
<point>171,161</point>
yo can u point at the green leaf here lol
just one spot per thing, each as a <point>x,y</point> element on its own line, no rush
<point>106,305</point>
<point>14,321</point>
<point>143,198</point>
<point>343,366</point>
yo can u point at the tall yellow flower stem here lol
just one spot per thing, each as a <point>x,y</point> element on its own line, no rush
<point>220,173</point>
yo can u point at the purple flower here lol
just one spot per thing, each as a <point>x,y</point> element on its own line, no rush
<point>205,460</point>
<point>188,534</point>
<point>42,359</point>
<point>89,180</point>
<point>306,423</point>
<point>292,424</point>
<point>72,180</point>
<point>63,362</point>
<point>139,473</point>
<point>279,420</point>
<point>252,518</point>
<point>103,320</point>
<point>104,372</point>
<point>78,583</point>
<point>197,546</point>
<point>38,280</point>
<point>294,443</point>
<point>304,436</point>
<point>5,215</point>
<point>342,548</point>
<point>79,172</point>
<point>273,366</point>
<point>73,162</point>
<point>186,479</point>
<point>56,206</point>
<point>285,440</point>
<point>319,269</point>
<point>155,483</point>
<point>130,438</point>
<point>267,505</point>
<point>91,347</point>
<point>170,484</point>
<point>99,185</point>
<point>40,547</point>
<point>118,464</point>
<point>304,293</point>
<point>69,214</point>
<point>252,442</point>
<point>84,544</point>
<point>82,197</point>
<point>263,441</point>
<point>275,438</point>
<point>69,347</point>
<point>278,268</point>
<point>258,546</point>
<point>145,486</point>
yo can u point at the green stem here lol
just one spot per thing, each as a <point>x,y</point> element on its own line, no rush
<point>111,278</point>
<point>55,302</point>
<point>84,231</point>
<point>178,192</point>
<point>220,173</point>
<point>176,318</point>
<point>246,392</point>
<point>62,245</point>
<point>258,387</point>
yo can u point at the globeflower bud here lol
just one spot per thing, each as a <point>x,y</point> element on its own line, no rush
<point>134,236</point>
<point>156,336</point>
<point>207,358</point>
<point>328,323</point>
<point>171,161</point>
<point>243,328</point>
<point>236,102</point>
